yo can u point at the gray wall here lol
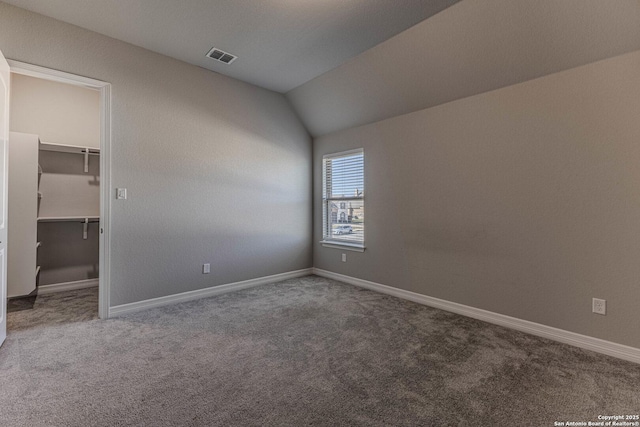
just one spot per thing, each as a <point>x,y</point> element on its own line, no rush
<point>217,170</point>
<point>523,201</point>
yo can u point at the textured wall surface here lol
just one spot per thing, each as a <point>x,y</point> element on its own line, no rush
<point>470,48</point>
<point>68,191</point>
<point>64,255</point>
<point>217,170</point>
<point>523,201</point>
<point>56,112</point>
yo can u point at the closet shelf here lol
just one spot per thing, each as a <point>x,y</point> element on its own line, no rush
<point>73,149</point>
<point>64,148</point>
<point>68,218</point>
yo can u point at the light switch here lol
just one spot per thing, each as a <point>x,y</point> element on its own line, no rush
<point>121,193</point>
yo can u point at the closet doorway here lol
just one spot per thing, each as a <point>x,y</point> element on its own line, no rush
<point>60,136</point>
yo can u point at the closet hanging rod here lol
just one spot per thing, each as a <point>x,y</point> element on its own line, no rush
<point>91,219</point>
<point>66,148</point>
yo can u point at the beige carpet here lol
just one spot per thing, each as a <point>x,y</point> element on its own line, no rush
<point>307,351</point>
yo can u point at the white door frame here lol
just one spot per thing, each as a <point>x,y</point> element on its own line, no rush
<point>105,164</point>
<point>5,85</point>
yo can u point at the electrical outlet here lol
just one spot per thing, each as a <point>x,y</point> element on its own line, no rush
<point>344,257</point>
<point>599,306</point>
<point>206,268</point>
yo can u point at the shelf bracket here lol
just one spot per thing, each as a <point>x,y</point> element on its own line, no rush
<point>85,228</point>
<point>86,160</point>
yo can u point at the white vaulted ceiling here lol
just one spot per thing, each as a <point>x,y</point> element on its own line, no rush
<point>280,44</point>
<point>344,63</point>
<point>471,47</point>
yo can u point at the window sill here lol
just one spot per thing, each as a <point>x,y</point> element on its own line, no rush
<point>343,245</point>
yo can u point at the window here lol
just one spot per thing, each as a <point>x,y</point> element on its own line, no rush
<point>343,199</point>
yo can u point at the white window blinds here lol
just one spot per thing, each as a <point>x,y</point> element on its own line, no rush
<point>343,197</point>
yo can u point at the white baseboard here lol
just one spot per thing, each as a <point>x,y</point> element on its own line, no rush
<point>133,307</point>
<point>67,286</point>
<point>609,348</point>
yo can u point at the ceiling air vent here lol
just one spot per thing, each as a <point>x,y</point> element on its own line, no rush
<point>221,55</point>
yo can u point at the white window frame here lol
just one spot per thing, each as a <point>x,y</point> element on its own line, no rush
<point>327,240</point>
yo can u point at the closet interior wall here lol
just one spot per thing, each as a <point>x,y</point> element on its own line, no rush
<point>66,119</point>
<point>66,254</point>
